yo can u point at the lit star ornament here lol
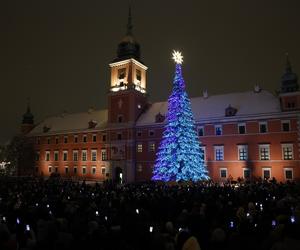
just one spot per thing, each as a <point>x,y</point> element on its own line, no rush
<point>177,57</point>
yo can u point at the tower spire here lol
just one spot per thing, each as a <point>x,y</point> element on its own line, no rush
<point>129,22</point>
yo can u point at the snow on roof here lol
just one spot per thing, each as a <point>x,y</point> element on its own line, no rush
<point>247,104</point>
<point>93,119</point>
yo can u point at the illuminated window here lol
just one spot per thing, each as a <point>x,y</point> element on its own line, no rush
<point>263,128</point>
<point>218,130</point>
<point>285,126</point>
<point>103,155</point>
<point>65,155</point>
<point>203,148</point>
<point>75,155</point>
<point>139,147</point>
<point>151,146</point>
<point>242,128</point>
<point>201,131</point>
<point>243,152</point>
<point>55,155</point>
<point>223,172</point>
<point>138,75</point>
<point>264,152</point>
<point>219,153</point>
<point>287,151</point>
<point>288,173</point>
<point>47,157</point>
<point>84,155</point>
<point>94,155</point>
<point>121,73</point>
<point>266,173</point>
<point>139,167</point>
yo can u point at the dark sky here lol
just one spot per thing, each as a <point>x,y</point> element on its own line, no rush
<point>57,52</point>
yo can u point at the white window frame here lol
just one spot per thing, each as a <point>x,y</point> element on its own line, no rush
<point>240,147</point>
<point>92,170</point>
<point>287,145</point>
<point>151,146</point>
<point>94,138</point>
<point>103,172</point>
<point>215,152</point>
<point>200,128</point>
<point>139,147</point>
<point>263,123</point>
<point>139,167</point>
<point>218,127</point>
<point>47,155</point>
<point>50,169</point>
<point>261,146</point>
<point>288,169</point>
<point>84,152</point>
<point>65,152</point>
<point>266,168</point>
<point>83,168</point>
<point>75,171</point>
<point>56,153</point>
<point>244,125</point>
<point>222,169</point>
<point>75,152</point>
<point>285,121</point>
<point>103,153</point>
<point>93,151</point>
<point>246,169</point>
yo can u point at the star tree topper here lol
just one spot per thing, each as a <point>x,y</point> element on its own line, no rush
<point>177,57</point>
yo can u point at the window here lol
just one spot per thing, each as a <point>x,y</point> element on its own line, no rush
<point>50,169</point>
<point>219,153</point>
<point>119,136</point>
<point>94,138</point>
<point>75,170</point>
<point>84,155</point>
<point>203,148</point>
<point>56,140</point>
<point>288,173</point>
<point>103,137</point>
<point>242,128</point>
<point>223,172</point>
<point>48,140</point>
<point>56,169</point>
<point>266,173</point>
<point>287,151</point>
<point>93,170</point>
<point>83,169</point>
<point>65,155</point>
<point>47,157</point>
<point>103,155</point>
<point>75,138</point>
<point>55,155</point>
<point>66,170</point>
<point>103,170</point>
<point>121,73</point>
<point>37,155</point>
<point>120,118</point>
<point>151,133</point>
<point>139,133</point>
<point>264,152</point>
<point>218,130</point>
<point>285,126</point>
<point>84,138</point>
<point>242,152</point>
<point>200,131</point>
<point>138,75</point>
<point>94,155</point>
<point>65,139</point>
<point>246,173</point>
<point>151,146</point>
<point>263,127</point>
<point>139,167</point>
<point>75,155</point>
<point>139,147</point>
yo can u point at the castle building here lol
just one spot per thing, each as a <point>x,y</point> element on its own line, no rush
<point>251,134</point>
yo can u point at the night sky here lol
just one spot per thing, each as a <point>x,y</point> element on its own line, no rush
<point>57,52</point>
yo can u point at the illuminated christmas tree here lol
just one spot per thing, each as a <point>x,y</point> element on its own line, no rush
<point>179,157</point>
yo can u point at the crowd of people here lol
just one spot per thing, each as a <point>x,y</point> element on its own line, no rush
<point>61,214</point>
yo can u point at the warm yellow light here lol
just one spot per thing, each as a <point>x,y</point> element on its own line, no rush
<point>177,57</point>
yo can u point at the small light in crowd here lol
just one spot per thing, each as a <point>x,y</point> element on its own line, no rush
<point>105,218</point>
<point>18,221</point>
<point>48,206</point>
<point>97,213</point>
<point>248,214</point>
<point>4,218</point>
<point>27,228</point>
<point>150,229</point>
<point>255,225</point>
<point>274,198</point>
<point>137,211</point>
<point>50,212</point>
<point>68,197</point>
<point>293,219</point>
<point>36,204</point>
<point>231,225</point>
<point>256,203</point>
<point>273,223</point>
